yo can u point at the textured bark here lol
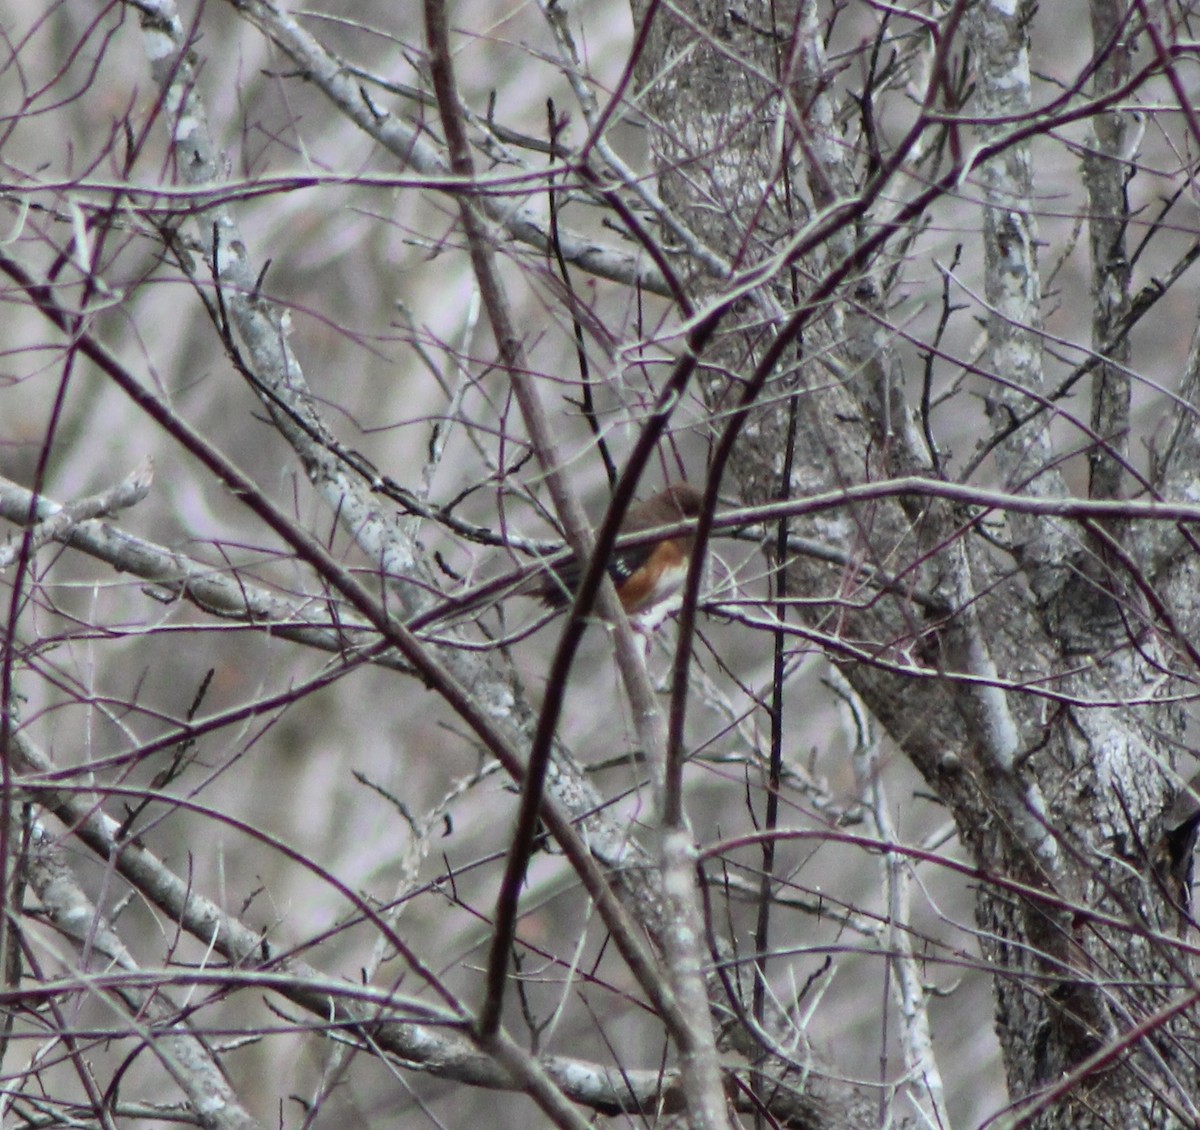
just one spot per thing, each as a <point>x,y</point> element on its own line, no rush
<point>1060,796</point>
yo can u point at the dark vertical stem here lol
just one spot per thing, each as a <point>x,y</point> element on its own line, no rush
<point>1106,177</point>
<point>588,404</point>
<point>762,928</point>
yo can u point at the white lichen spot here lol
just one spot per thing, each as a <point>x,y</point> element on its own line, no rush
<point>77,917</point>
<point>210,1102</point>
<point>159,45</point>
<point>185,127</point>
<point>498,700</point>
<point>229,256</point>
<point>1015,78</point>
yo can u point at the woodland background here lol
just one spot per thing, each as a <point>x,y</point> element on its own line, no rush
<point>239,241</point>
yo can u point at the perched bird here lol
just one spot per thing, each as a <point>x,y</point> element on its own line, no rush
<point>648,578</point>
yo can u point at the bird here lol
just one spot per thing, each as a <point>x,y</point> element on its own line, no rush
<point>648,578</point>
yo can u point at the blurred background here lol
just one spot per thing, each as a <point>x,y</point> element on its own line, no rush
<point>371,778</point>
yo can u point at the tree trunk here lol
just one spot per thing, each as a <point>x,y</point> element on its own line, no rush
<point>1021,691</point>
